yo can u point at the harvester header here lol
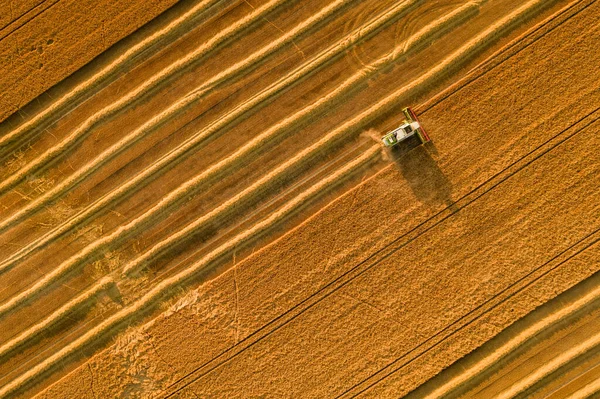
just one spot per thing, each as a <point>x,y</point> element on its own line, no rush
<point>409,127</point>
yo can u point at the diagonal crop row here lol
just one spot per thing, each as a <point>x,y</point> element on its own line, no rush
<point>590,390</point>
<point>163,287</point>
<point>166,115</point>
<point>469,319</point>
<point>171,31</point>
<point>126,101</point>
<point>129,140</point>
<point>161,209</point>
<point>592,342</point>
<point>108,324</point>
<point>54,360</point>
<point>55,317</point>
<point>177,154</point>
<point>520,339</point>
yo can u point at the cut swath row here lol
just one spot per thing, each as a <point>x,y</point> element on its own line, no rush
<point>101,78</point>
<point>456,58</point>
<point>591,390</point>
<point>55,317</point>
<point>195,95</point>
<point>160,210</point>
<point>4,391</point>
<point>164,162</point>
<point>519,340</point>
<point>322,147</point>
<point>126,101</point>
<point>564,359</point>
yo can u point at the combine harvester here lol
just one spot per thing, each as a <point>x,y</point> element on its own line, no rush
<point>410,126</point>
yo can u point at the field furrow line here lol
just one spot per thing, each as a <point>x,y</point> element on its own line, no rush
<point>99,79</point>
<point>69,142</point>
<point>12,21</point>
<point>36,10</point>
<point>22,339</point>
<point>160,210</point>
<point>177,154</point>
<point>155,293</point>
<point>588,391</point>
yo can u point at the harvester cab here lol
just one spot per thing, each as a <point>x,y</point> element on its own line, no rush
<point>409,127</point>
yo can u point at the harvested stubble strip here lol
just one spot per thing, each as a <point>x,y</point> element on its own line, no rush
<point>175,109</point>
<point>458,57</point>
<point>222,211</point>
<point>160,210</point>
<point>162,288</point>
<point>550,367</point>
<point>174,156</point>
<point>171,31</point>
<point>178,154</point>
<point>518,341</point>
<point>125,102</point>
<point>588,391</point>
<point>55,317</point>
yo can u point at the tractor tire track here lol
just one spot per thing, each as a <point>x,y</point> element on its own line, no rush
<point>44,7</point>
<point>589,391</point>
<point>510,50</point>
<point>23,13</point>
<point>160,210</point>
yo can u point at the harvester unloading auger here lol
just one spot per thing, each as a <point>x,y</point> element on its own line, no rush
<point>410,126</point>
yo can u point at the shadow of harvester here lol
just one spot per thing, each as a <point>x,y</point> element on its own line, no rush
<point>425,178</point>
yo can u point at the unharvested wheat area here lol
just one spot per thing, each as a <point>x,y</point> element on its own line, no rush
<point>195,199</point>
